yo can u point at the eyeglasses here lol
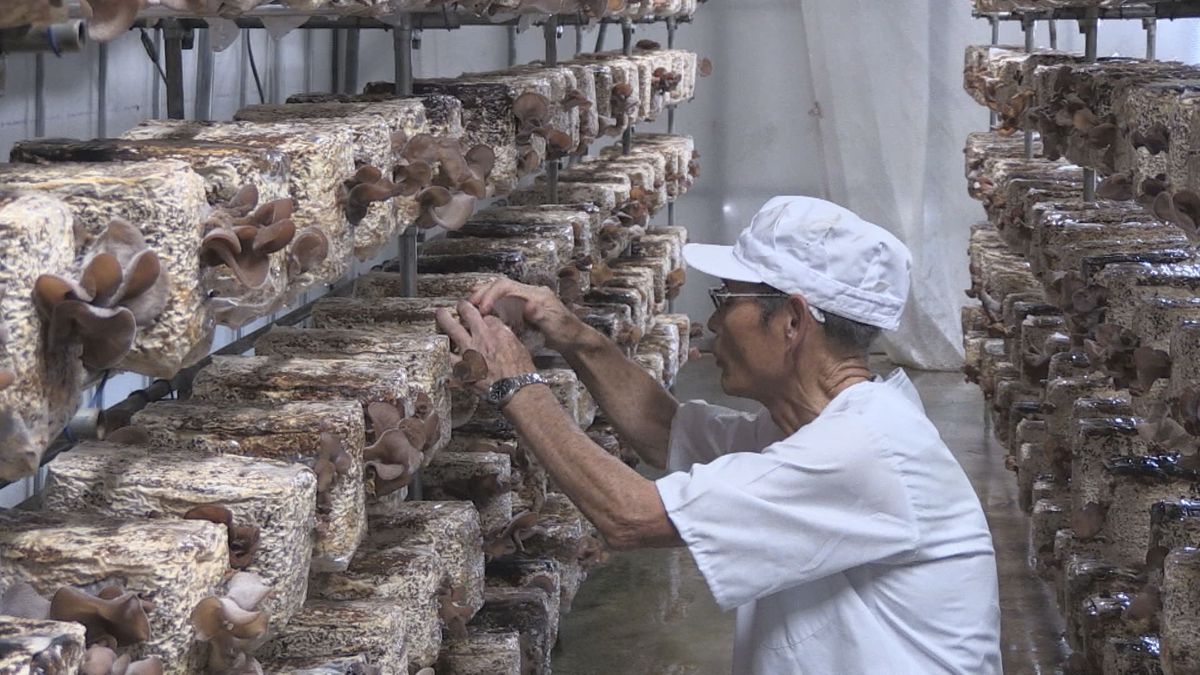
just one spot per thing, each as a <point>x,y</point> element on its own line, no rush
<point>720,295</point>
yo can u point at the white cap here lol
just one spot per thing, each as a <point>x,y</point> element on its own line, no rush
<point>839,262</point>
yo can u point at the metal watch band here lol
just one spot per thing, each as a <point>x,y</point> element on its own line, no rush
<point>503,390</point>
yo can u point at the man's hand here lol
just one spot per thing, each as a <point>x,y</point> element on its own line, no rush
<point>538,305</point>
<point>500,347</point>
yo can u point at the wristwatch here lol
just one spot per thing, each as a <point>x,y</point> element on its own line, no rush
<point>502,390</point>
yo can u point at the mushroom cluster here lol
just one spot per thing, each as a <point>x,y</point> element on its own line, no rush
<point>332,462</point>
<point>453,611</point>
<point>112,618</point>
<point>445,178</point>
<point>624,108</point>
<point>243,539</point>
<point>233,625</point>
<point>511,538</point>
<point>402,443</point>
<point>534,113</point>
<point>242,235</point>
<point>1182,209</point>
<point>122,287</point>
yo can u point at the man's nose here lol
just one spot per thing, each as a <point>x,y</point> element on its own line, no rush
<point>714,321</point>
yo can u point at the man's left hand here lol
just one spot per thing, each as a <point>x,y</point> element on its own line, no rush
<point>500,347</point>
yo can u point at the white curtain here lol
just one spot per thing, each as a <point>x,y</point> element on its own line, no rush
<point>892,119</point>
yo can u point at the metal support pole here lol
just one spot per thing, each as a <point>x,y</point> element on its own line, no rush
<point>627,49</point>
<point>156,92</point>
<point>102,91</point>
<point>512,45</point>
<point>335,62</point>
<point>600,35</point>
<point>550,37</point>
<point>1089,27</point>
<point>1151,26</point>
<point>353,38</point>
<point>995,24</point>
<point>1028,26</point>
<point>1053,33</point>
<point>578,39</point>
<point>173,48</point>
<point>204,76</point>
<point>39,95</point>
<point>402,48</point>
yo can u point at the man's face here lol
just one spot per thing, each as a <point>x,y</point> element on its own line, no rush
<point>749,352</point>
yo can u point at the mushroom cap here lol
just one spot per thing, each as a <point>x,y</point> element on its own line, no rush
<point>21,599</point>
<point>110,19</point>
<point>309,248</point>
<point>532,109</point>
<point>112,612</point>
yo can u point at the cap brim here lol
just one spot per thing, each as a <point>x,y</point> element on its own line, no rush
<point>718,261</point>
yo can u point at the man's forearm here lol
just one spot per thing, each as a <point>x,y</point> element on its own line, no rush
<point>622,504</point>
<point>637,404</point>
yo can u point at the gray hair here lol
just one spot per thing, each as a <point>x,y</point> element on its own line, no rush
<point>846,335</point>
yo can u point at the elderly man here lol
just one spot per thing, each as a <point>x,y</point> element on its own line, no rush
<point>835,520</point>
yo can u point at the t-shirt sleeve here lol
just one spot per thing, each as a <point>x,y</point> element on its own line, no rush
<point>806,507</point>
<point>701,432</point>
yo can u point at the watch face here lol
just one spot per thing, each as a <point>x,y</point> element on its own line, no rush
<point>500,390</point>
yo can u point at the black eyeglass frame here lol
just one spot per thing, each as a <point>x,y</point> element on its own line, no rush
<point>720,294</point>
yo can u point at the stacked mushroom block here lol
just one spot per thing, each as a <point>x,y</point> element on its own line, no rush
<point>262,520</point>
<point>1084,336</point>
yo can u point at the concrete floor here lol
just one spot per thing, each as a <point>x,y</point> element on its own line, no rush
<point>650,612</point>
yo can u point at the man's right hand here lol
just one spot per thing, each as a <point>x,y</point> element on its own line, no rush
<point>539,306</point>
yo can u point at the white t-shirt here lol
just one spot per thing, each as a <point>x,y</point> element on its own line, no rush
<point>855,545</point>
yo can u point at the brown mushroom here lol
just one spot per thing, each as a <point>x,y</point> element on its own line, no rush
<point>558,143</point>
<point>243,237</point>
<point>1088,521</point>
<point>676,278</point>
<point>590,552</point>
<point>453,612</point>
<point>309,249</point>
<point>366,187</point>
<point>22,600</point>
<point>665,81</point>
<point>243,539</point>
<point>411,178</point>
<point>1156,139</point>
<point>1150,365</point>
<point>511,539</point>
<point>102,660</point>
<point>1186,409</point>
<point>1181,209</point>
<point>532,110</point>
<point>479,490</point>
<point>128,436</point>
<point>1145,605</point>
<point>391,461</point>
<point>1118,187</point>
<point>112,612</point>
<point>110,19</point>
<point>422,148</point>
<point>471,367</point>
<point>576,99</point>
<point>705,67</point>
<point>122,286</point>
<point>441,208</point>
<point>332,461</point>
<point>232,624</point>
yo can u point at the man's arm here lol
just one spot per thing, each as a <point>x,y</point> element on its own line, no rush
<point>623,505</point>
<point>637,405</point>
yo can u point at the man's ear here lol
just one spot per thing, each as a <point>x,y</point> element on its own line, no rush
<point>797,315</point>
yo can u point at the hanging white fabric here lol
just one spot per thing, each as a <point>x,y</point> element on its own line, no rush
<point>887,77</point>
